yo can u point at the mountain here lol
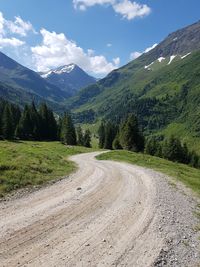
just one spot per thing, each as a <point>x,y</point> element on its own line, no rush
<point>69,78</point>
<point>162,87</point>
<point>20,84</point>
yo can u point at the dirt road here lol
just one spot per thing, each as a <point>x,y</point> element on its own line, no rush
<point>106,214</point>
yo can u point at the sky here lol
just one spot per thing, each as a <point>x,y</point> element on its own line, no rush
<point>97,35</point>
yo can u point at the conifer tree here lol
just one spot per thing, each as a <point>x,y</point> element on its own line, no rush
<point>87,138</point>
<point>34,122</point>
<point>68,134</point>
<point>48,125</point>
<point>194,160</point>
<point>110,133</point>
<point>151,146</point>
<point>101,133</point>
<point>130,136</point>
<point>172,149</point>
<point>116,143</point>
<point>24,129</point>
<point>7,123</point>
<point>80,137</point>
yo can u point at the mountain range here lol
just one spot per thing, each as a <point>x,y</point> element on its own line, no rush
<point>20,84</point>
<point>162,87</point>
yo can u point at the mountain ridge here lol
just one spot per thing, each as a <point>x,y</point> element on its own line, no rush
<point>26,81</point>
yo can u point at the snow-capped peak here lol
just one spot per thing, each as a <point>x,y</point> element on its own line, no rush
<point>64,69</point>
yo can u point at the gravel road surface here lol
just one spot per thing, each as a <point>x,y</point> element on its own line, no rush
<point>106,214</point>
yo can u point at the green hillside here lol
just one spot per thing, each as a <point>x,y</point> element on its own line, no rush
<point>163,96</point>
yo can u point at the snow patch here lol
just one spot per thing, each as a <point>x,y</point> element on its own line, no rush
<point>65,69</point>
<point>160,59</point>
<point>171,59</point>
<point>45,75</point>
<point>148,67</point>
<point>185,55</point>
<point>175,39</point>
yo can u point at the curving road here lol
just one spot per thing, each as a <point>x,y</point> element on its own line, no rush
<point>106,214</point>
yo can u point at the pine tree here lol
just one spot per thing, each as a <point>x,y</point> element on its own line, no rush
<point>110,133</point>
<point>130,136</point>
<point>24,128</point>
<point>68,134</point>
<point>80,137</point>
<point>152,146</point>
<point>172,149</point>
<point>34,122</point>
<point>194,160</point>
<point>101,133</point>
<point>116,143</point>
<point>87,138</point>
<point>48,125</point>
<point>59,126</point>
<point>7,123</point>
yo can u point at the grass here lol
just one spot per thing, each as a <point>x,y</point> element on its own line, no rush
<point>188,175</point>
<point>25,164</point>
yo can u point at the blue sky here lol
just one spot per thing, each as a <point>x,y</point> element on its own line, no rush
<point>98,35</point>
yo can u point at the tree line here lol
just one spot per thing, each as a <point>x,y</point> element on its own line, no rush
<point>172,149</point>
<point>129,136</point>
<point>39,125</point>
<point>125,136</point>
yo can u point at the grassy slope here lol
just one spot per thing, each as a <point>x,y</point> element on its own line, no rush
<point>34,163</point>
<point>189,176</point>
<point>181,107</point>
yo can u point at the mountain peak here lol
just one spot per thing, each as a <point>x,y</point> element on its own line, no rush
<point>60,70</point>
<point>70,78</point>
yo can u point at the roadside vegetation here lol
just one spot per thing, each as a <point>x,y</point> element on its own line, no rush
<point>181,172</point>
<point>28,163</point>
<point>39,124</point>
<point>128,136</point>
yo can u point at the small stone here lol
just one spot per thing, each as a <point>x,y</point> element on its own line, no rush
<point>104,240</point>
<point>87,245</point>
<point>79,188</point>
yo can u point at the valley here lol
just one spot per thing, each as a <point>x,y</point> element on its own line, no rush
<point>99,171</point>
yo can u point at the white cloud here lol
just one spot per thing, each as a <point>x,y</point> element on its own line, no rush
<point>131,10</point>
<point>19,26</point>
<point>10,42</point>
<point>126,8</point>
<point>83,4</point>
<point>1,23</point>
<point>109,45</point>
<point>137,54</point>
<point>8,30</point>
<point>56,50</point>
<point>116,61</point>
